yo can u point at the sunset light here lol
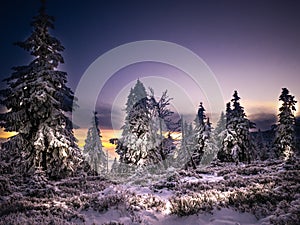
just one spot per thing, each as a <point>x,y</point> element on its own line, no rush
<point>150,112</point>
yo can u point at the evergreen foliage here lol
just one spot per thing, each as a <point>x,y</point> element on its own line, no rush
<point>285,135</point>
<point>93,150</point>
<point>147,119</point>
<point>201,143</point>
<point>135,95</point>
<point>143,140</point>
<point>219,134</point>
<point>37,101</point>
<point>183,152</point>
<point>237,144</point>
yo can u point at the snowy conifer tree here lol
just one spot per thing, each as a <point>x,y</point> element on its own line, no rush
<point>143,140</point>
<point>92,150</point>
<point>37,100</point>
<point>199,135</point>
<point>135,95</point>
<point>210,148</point>
<point>228,112</point>
<point>220,131</point>
<point>201,141</point>
<point>285,137</point>
<point>183,152</point>
<point>226,136</point>
<point>237,141</point>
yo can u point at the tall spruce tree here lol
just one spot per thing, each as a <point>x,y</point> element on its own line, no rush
<point>37,101</point>
<point>183,152</point>
<point>136,93</point>
<point>228,112</point>
<point>201,142</point>
<point>227,137</point>
<point>210,148</point>
<point>143,140</point>
<point>237,142</point>
<point>199,135</point>
<point>93,150</point>
<point>220,131</point>
<point>285,135</point>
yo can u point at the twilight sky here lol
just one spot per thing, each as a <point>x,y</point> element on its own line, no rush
<point>250,46</point>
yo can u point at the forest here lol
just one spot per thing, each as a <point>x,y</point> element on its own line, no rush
<point>168,170</point>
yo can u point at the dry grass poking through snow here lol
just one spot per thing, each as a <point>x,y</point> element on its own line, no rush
<point>269,190</point>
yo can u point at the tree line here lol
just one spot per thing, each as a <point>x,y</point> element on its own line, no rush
<point>143,143</point>
<point>38,101</point>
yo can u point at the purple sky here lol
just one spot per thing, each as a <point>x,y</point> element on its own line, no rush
<point>251,46</point>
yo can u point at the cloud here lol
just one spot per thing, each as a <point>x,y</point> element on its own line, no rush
<point>263,121</point>
<point>109,118</point>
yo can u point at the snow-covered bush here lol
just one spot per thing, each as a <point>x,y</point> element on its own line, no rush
<point>101,204</point>
<point>250,170</point>
<point>144,202</point>
<point>186,205</point>
<point>287,213</point>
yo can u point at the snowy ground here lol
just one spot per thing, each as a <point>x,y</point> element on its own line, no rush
<point>221,194</point>
<point>223,216</point>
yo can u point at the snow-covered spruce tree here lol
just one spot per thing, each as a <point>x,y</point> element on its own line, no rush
<point>131,100</point>
<point>226,136</point>
<point>37,101</point>
<point>199,135</point>
<point>200,138</point>
<point>228,112</point>
<point>92,149</point>
<point>142,142</point>
<point>237,142</point>
<point>183,153</point>
<point>285,137</point>
<point>219,132</point>
<point>210,149</point>
<point>135,95</point>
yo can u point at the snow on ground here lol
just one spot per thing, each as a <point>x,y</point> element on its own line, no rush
<point>203,178</point>
<point>224,216</point>
<point>220,194</point>
<point>93,217</point>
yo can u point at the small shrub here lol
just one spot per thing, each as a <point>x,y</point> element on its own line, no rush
<point>189,205</point>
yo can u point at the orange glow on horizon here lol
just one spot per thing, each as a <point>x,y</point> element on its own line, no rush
<point>5,135</point>
<point>106,134</point>
<point>80,134</point>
